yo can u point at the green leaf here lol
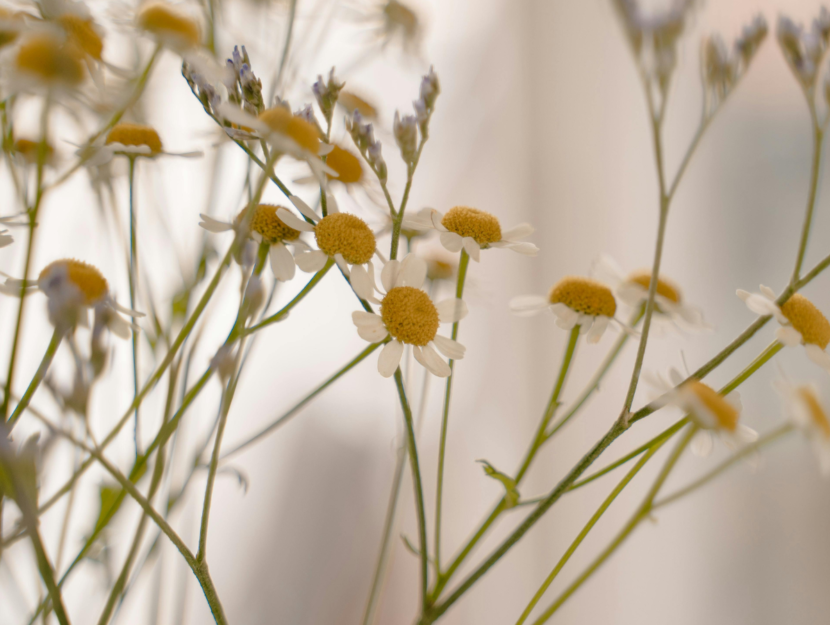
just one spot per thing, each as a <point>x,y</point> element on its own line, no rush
<point>511,495</point>
<point>112,496</point>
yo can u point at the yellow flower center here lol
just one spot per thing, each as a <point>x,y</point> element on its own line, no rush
<point>439,269</point>
<point>725,413</point>
<point>345,234</point>
<point>808,320</point>
<point>353,102</point>
<point>303,133</point>
<point>83,34</point>
<point>665,287</point>
<point>817,414</point>
<point>409,315</point>
<point>584,295</point>
<point>346,164</point>
<point>10,26</point>
<point>87,278</point>
<point>135,135</point>
<point>50,59</point>
<point>401,15</point>
<point>271,227</point>
<point>161,19</point>
<point>28,149</point>
<point>482,227</point>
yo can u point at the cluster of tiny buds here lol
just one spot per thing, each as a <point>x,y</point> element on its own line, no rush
<point>406,128</point>
<point>720,68</point>
<point>363,135</point>
<point>804,49</point>
<point>327,93</point>
<point>210,98</point>
<point>307,113</point>
<point>243,86</point>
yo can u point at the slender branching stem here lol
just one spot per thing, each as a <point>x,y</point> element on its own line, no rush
<point>40,374</point>
<point>133,283</point>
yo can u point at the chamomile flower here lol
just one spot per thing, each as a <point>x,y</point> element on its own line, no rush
<point>27,151</point>
<point>346,166</point>
<point>353,102</point>
<point>632,290</point>
<point>575,301</point>
<point>169,25</point>
<point>45,59</point>
<point>803,406</point>
<point>408,316</point>
<point>801,322</point>
<point>474,230</point>
<point>710,411</point>
<point>130,140</point>
<point>343,237</point>
<point>265,227</point>
<point>73,287</point>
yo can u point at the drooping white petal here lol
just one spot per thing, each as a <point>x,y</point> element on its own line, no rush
<point>760,305</point>
<point>451,241</point>
<point>419,357</point>
<point>325,148</point>
<point>214,225</point>
<point>282,262</point>
<point>607,270</point>
<point>768,293</point>
<point>524,248</point>
<point>519,231</point>
<point>566,318</point>
<point>413,272</point>
<point>312,261</point>
<point>528,305</point>
<point>292,221</point>
<point>304,208</point>
<point>702,443</point>
<point>123,309</point>
<point>472,248</point>
<point>362,284</point>
<point>331,204</point>
<point>341,262</point>
<point>451,310</point>
<point>364,319</point>
<point>818,356</point>
<point>433,361</point>
<point>598,329</point>
<point>631,293</point>
<point>788,335</point>
<point>451,349</point>
<point>372,333</point>
<point>119,326</point>
<point>436,218</point>
<point>585,322</point>
<point>239,117</point>
<point>390,358</point>
<point>389,274</point>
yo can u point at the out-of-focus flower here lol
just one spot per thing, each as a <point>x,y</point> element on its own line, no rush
<point>45,60</point>
<point>346,165</point>
<point>801,323</point>
<point>169,25</point>
<point>353,102</point>
<point>327,92</point>
<point>27,151</point>
<point>131,140</point>
<point>407,315</point>
<point>804,49</point>
<point>803,406</point>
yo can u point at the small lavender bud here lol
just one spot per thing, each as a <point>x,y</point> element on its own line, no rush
<point>326,94</point>
<point>406,136</point>
<point>430,89</point>
<point>375,158</point>
<point>751,38</point>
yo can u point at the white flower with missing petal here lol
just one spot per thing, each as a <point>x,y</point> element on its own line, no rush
<point>801,323</point>
<point>803,406</point>
<point>408,316</point>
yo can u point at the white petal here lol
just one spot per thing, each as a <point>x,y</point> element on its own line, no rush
<point>390,358</point>
<point>585,322</point>
<point>519,231</point>
<point>292,221</point>
<point>472,248</point>
<point>818,356</point>
<point>364,319</point>
<point>598,329</point>
<point>214,225</point>
<point>304,208</point>
<point>788,335</point>
<point>119,326</point>
<point>372,333</point>
<point>362,283</point>
<point>527,305</point>
<point>344,266</point>
<point>389,274</point>
<point>413,272</point>
<point>768,293</point>
<point>702,443</point>
<point>760,305</point>
<point>631,293</point>
<point>745,435</point>
<point>325,148</point>
<point>451,349</point>
<point>743,295</point>
<point>419,357</point>
<point>331,204</point>
<point>451,310</point>
<point>433,361</point>
<point>436,218</point>
<point>524,248</point>
<point>123,309</point>
<point>451,241</point>
<point>282,262</point>
<point>311,262</point>
<point>605,269</point>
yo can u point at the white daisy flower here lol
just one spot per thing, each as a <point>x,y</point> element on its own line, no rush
<point>72,287</point>
<point>131,140</point>
<point>802,405</point>
<point>575,301</point>
<point>343,237</point>
<point>266,227</point>
<point>713,413</point>
<point>471,229</point>
<point>169,26</point>
<point>632,290</point>
<point>407,315</point>
<point>801,322</point>
<point>43,61</point>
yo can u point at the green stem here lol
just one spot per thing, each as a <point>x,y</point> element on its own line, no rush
<point>133,283</point>
<point>52,348</point>
<point>417,484</point>
<point>397,218</point>
<point>772,349</point>
<point>442,446</point>
<point>815,173</point>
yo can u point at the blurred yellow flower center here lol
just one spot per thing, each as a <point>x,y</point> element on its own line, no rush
<point>352,102</point>
<point>82,33</point>
<point>808,320</point>
<point>271,227</point>
<point>725,414</point>
<point>401,15</point>
<point>87,278</point>
<point>439,269</point>
<point>163,20</point>
<point>665,288</point>
<point>817,414</point>
<point>346,164</point>
<point>345,234</point>
<point>48,58</point>
<point>10,25</point>
<point>303,133</point>
<point>584,295</point>
<point>28,149</point>
<point>409,315</point>
<point>482,227</point>
<point>135,135</point>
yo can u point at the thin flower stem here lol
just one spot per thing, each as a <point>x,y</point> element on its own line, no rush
<point>593,385</point>
<point>642,512</point>
<point>48,575</point>
<point>417,484</point>
<point>51,349</point>
<point>133,283</point>
<point>442,445</point>
<point>397,217</point>
<point>292,12</point>
<point>815,175</point>
<point>587,528</point>
<point>756,364</point>
<point>227,396</point>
